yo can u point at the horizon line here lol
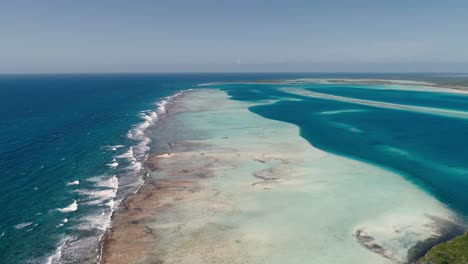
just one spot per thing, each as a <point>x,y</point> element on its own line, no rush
<point>230,72</point>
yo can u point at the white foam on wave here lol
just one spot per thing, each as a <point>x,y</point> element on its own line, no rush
<point>142,147</point>
<point>103,190</point>
<point>73,183</point>
<point>98,194</point>
<point>149,116</point>
<point>126,155</point>
<point>100,221</point>
<point>112,182</point>
<point>113,147</point>
<point>162,106</point>
<point>136,166</point>
<point>64,221</point>
<point>23,225</point>
<point>57,255</point>
<point>71,208</point>
<point>101,196</point>
<point>137,153</point>
<point>111,204</point>
<point>113,164</point>
<point>137,133</point>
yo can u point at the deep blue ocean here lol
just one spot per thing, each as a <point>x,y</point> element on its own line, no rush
<point>68,141</point>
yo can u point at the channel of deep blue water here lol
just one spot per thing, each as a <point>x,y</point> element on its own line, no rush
<point>428,149</point>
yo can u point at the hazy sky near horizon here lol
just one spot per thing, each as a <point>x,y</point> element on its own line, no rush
<point>242,35</point>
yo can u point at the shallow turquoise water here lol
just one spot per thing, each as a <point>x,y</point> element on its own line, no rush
<point>428,149</point>
<point>62,136</point>
<point>281,199</point>
<point>59,136</point>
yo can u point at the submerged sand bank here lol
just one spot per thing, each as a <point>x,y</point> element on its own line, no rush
<point>238,188</point>
<point>384,83</point>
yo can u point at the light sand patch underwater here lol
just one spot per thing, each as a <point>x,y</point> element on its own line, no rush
<point>411,108</point>
<point>235,187</point>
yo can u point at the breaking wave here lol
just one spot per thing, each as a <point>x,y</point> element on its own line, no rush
<point>100,195</point>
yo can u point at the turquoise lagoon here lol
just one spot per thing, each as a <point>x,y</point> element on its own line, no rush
<point>417,131</point>
<point>277,198</point>
<point>358,165</point>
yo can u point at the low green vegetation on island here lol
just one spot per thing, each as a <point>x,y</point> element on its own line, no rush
<point>452,252</point>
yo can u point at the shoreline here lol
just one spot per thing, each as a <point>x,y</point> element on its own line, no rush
<point>169,101</point>
<point>177,181</point>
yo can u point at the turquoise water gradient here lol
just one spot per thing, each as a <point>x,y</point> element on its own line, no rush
<point>59,129</point>
<point>429,150</point>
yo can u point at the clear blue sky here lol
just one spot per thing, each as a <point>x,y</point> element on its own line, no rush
<point>242,35</point>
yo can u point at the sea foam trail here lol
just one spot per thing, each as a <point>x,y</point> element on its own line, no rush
<point>135,155</point>
<point>113,164</point>
<point>55,257</point>
<point>378,104</point>
<point>71,208</point>
<point>23,225</point>
<point>64,221</point>
<point>101,192</point>
<point>113,148</point>
<point>106,190</point>
<point>73,183</point>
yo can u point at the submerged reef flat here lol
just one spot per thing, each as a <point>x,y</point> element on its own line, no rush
<point>235,187</point>
<point>435,84</point>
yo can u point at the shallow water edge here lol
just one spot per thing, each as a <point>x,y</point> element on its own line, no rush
<point>235,187</point>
